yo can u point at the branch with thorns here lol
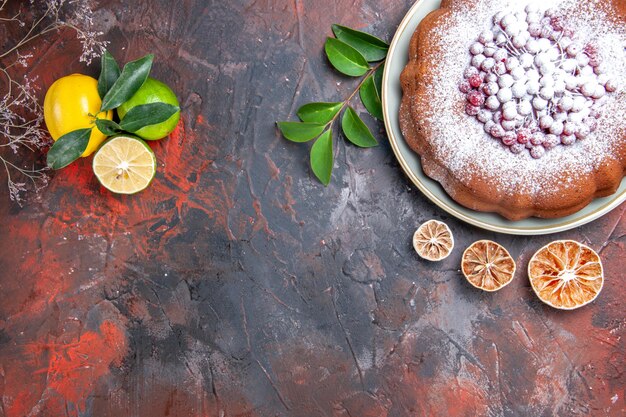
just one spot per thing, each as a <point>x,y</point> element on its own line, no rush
<point>21,115</point>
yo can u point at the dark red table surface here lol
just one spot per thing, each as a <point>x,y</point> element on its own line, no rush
<point>236,285</point>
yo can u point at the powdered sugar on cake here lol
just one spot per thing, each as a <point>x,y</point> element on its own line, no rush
<point>533,84</point>
<point>461,141</point>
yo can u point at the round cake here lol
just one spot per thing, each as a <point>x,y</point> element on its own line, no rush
<point>518,107</point>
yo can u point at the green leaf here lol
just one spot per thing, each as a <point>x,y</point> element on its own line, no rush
<point>322,157</point>
<point>300,132</point>
<point>356,131</point>
<point>109,73</point>
<point>68,148</point>
<point>146,115</point>
<point>372,48</point>
<point>319,112</point>
<point>378,79</point>
<point>130,80</point>
<point>345,58</point>
<point>370,98</point>
<point>108,127</point>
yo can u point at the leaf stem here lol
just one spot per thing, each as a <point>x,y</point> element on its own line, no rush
<point>358,87</point>
<point>347,101</point>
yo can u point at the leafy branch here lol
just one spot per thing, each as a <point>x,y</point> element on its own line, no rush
<point>356,54</point>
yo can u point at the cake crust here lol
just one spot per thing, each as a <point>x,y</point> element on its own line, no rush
<point>564,193</point>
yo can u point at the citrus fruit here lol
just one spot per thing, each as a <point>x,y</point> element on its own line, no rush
<point>124,164</point>
<point>70,104</point>
<point>487,265</point>
<point>566,274</point>
<point>153,91</point>
<point>433,240</point>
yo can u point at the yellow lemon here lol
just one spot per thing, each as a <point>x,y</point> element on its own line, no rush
<point>71,103</point>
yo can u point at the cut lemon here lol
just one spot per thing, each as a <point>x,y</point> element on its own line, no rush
<point>566,274</point>
<point>487,265</point>
<point>124,165</point>
<point>433,241</point>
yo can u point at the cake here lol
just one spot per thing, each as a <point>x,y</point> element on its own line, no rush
<point>518,107</point>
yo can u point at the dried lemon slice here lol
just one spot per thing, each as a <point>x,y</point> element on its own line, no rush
<point>433,241</point>
<point>566,274</point>
<point>487,265</point>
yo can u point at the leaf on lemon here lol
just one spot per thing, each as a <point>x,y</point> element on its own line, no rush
<point>68,148</point>
<point>356,131</point>
<point>108,127</point>
<point>300,132</point>
<point>372,48</point>
<point>322,157</point>
<point>319,112</point>
<point>345,58</point>
<point>370,98</point>
<point>146,115</point>
<point>132,77</point>
<point>109,73</point>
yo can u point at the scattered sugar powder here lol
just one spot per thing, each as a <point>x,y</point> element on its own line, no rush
<point>460,139</point>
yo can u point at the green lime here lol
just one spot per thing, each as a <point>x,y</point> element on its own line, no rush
<point>153,91</point>
<point>124,164</point>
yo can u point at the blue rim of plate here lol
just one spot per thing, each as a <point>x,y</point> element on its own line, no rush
<point>397,59</point>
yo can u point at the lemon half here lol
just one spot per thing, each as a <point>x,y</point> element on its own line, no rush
<point>124,165</point>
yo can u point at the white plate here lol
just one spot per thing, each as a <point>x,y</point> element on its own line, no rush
<point>392,96</point>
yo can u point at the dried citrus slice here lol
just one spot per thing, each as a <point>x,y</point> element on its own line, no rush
<point>433,241</point>
<point>487,265</point>
<point>566,274</point>
<point>124,165</point>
